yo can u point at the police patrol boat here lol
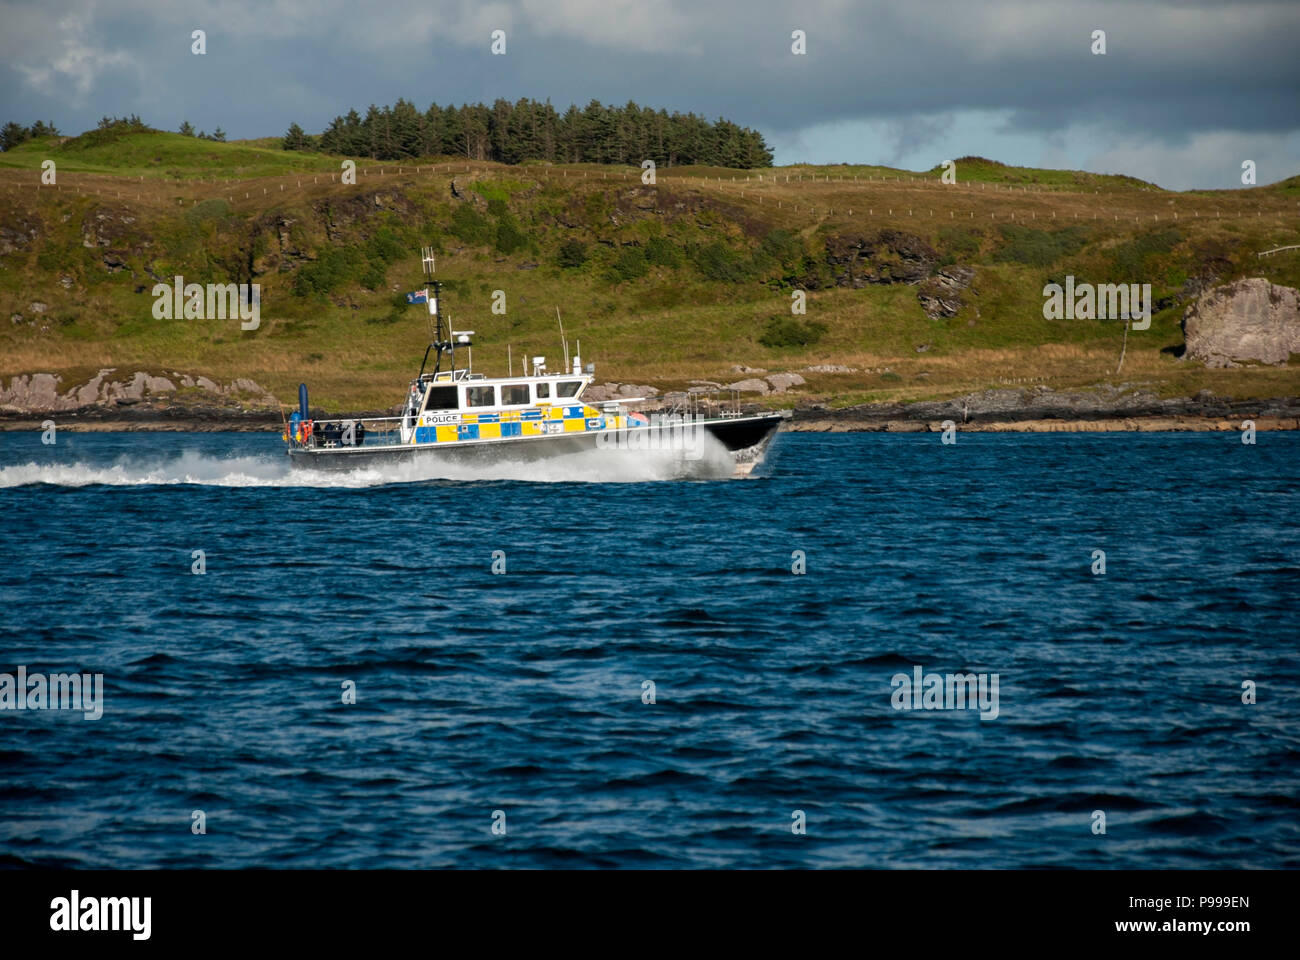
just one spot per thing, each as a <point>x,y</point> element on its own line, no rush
<point>456,414</point>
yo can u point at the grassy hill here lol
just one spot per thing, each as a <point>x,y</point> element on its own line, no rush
<point>156,154</point>
<point>662,284</point>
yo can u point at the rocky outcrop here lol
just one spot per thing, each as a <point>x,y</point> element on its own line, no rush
<point>895,256</point>
<point>781,382</point>
<point>887,256</point>
<point>830,368</point>
<point>43,393</point>
<point>941,295</point>
<point>1103,425</point>
<point>20,230</point>
<point>114,235</point>
<point>1248,320</point>
<point>753,385</point>
<point>601,393</point>
<point>286,254</point>
<point>1041,403</point>
<point>772,383</point>
<point>345,218</point>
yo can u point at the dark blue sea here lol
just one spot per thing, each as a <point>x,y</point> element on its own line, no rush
<point>518,699</point>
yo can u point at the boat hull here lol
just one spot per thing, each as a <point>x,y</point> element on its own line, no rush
<point>745,438</point>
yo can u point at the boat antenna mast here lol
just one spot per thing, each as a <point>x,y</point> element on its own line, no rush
<point>440,339</point>
<point>564,342</point>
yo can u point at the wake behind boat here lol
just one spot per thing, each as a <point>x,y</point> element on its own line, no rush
<point>461,416</point>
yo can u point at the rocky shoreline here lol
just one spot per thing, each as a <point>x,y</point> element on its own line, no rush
<point>1042,410</point>
<point>1032,410</point>
<point>1250,320</point>
<point>1109,425</point>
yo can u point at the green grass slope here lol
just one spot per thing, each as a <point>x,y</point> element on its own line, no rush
<point>158,154</point>
<point>662,284</point>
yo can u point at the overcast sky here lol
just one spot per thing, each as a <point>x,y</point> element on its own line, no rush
<point>1185,92</point>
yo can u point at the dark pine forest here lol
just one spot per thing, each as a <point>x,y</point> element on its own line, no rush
<point>527,131</point>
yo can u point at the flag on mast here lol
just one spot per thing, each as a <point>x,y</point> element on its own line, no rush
<point>419,296</point>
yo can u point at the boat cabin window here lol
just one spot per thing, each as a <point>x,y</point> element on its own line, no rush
<point>514,394</point>
<point>441,398</point>
<point>480,396</point>
<point>568,388</point>
<point>543,391</point>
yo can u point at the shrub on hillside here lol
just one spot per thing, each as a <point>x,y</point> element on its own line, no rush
<point>791,331</point>
<point>327,273</point>
<point>572,253</point>
<point>469,225</point>
<point>717,261</point>
<point>384,246</point>
<point>959,243</point>
<point>375,274</point>
<point>661,252</point>
<point>1038,248</point>
<point>781,247</point>
<point>509,237</point>
<point>1130,261</point>
<point>629,264</point>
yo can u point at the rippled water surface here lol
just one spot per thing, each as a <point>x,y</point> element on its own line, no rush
<point>523,692</point>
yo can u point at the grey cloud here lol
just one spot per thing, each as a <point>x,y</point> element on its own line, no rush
<point>1172,70</point>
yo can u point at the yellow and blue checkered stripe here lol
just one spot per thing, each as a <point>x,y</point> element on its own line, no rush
<point>505,424</point>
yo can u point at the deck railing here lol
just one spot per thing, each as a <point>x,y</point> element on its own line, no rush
<point>356,432</point>
<point>703,403</point>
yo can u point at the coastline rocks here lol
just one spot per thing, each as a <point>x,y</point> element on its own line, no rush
<point>37,392</point>
<point>772,383</point>
<point>1250,319</point>
<point>1104,425</point>
<point>828,368</point>
<point>40,392</point>
<point>1104,403</point>
<point>781,382</point>
<point>753,385</point>
<point>604,392</point>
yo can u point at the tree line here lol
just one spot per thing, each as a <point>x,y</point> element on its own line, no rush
<point>12,134</point>
<point>187,130</point>
<point>527,130</point>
